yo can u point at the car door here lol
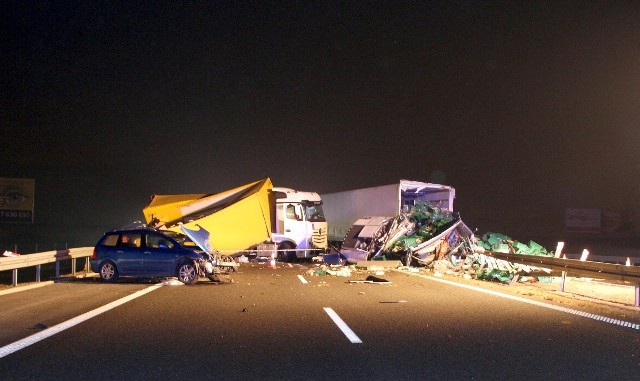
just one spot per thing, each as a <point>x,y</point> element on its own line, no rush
<point>159,255</point>
<point>129,253</point>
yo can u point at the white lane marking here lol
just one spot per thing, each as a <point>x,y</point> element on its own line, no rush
<point>539,304</point>
<point>343,326</point>
<point>23,343</point>
<point>302,279</point>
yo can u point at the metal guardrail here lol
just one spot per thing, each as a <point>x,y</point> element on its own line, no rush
<point>603,270</point>
<point>566,266</point>
<point>38,259</point>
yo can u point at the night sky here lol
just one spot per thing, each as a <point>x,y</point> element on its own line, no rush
<point>526,108</point>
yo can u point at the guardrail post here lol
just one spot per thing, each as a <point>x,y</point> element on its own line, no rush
<point>564,278</point>
<point>637,294</point>
<point>57,268</point>
<point>14,277</point>
<point>38,273</point>
<point>73,266</point>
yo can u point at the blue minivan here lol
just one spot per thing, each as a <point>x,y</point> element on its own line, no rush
<point>147,252</point>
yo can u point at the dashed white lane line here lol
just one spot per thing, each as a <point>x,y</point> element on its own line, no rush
<point>588,315</point>
<point>343,326</point>
<point>23,343</point>
<point>304,281</point>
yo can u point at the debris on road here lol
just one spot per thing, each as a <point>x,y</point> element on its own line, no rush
<point>371,279</point>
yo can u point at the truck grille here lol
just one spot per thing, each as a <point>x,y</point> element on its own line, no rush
<point>319,238</point>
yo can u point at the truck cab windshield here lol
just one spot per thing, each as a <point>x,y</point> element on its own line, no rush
<point>314,213</point>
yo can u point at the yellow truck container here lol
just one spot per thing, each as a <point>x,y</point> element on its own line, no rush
<point>241,218</point>
<point>237,219</point>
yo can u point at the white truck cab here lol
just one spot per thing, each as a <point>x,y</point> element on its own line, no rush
<point>299,226</point>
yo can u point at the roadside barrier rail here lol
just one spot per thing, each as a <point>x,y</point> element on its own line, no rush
<point>564,266</point>
<point>57,256</point>
<point>38,259</point>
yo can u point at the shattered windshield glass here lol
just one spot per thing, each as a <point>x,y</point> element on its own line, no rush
<point>314,213</point>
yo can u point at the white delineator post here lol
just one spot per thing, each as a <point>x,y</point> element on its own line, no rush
<point>585,254</point>
<point>559,249</point>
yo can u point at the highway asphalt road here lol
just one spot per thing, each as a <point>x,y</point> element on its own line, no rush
<point>269,324</point>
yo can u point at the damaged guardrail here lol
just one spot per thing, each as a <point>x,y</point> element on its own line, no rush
<point>38,259</point>
<point>566,266</point>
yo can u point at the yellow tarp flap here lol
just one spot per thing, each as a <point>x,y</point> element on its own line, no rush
<point>237,219</point>
<point>166,208</point>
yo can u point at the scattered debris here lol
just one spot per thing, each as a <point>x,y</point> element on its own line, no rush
<point>501,243</point>
<point>8,253</point>
<point>172,282</point>
<point>423,234</point>
<point>438,240</point>
<point>330,270</point>
<point>371,279</point>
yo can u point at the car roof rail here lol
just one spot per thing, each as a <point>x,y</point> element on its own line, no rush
<point>136,225</point>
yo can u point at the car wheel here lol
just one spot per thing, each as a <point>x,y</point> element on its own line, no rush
<point>108,272</point>
<point>187,273</point>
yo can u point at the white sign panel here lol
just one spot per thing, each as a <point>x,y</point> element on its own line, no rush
<point>583,220</point>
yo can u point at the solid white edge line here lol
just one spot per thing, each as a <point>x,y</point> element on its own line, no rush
<point>536,303</point>
<point>343,326</point>
<point>302,279</point>
<point>23,343</point>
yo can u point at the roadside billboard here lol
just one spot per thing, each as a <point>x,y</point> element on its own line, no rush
<point>583,220</point>
<point>17,200</point>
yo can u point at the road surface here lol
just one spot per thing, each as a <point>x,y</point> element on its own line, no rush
<point>285,323</point>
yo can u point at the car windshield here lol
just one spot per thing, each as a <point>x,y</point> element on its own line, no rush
<point>180,238</point>
<point>314,213</point>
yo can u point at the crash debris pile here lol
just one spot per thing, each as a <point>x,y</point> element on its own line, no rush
<point>438,239</point>
<point>423,234</point>
<point>483,267</point>
<point>413,228</point>
<point>472,263</point>
<point>501,243</point>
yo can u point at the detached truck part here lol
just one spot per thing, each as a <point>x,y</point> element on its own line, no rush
<point>241,218</point>
<point>342,209</point>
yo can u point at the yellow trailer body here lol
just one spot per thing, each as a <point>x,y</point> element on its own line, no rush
<point>237,219</point>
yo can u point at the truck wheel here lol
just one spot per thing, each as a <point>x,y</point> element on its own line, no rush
<point>187,273</point>
<point>286,252</point>
<point>108,272</point>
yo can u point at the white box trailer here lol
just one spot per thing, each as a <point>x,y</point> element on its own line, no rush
<point>342,209</point>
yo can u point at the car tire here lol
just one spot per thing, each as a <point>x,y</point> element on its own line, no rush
<point>187,273</point>
<point>108,272</point>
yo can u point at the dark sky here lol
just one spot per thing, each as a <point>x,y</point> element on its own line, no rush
<point>526,108</point>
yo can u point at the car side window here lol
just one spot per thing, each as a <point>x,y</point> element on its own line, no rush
<point>156,241</point>
<point>130,239</point>
<point>110,240</point>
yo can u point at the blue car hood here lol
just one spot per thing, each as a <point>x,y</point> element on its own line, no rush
<point>200,237</point>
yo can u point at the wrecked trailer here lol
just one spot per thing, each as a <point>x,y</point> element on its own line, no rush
<point>436,238</point>
<point>416,237</point>
<point>365,238</point>
<point>341,209</point>
<point>237,218</point>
